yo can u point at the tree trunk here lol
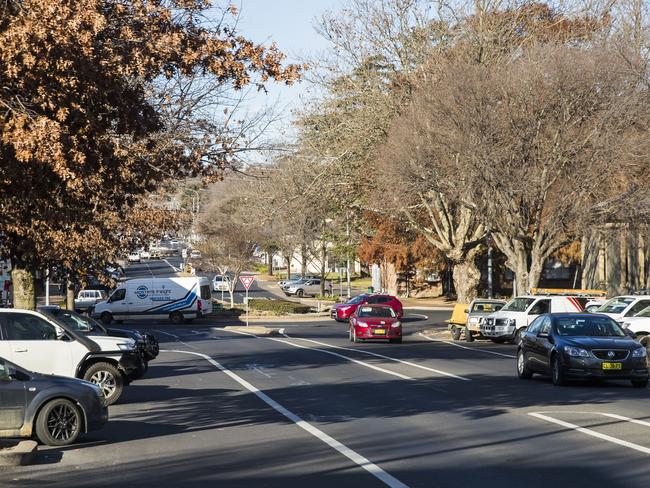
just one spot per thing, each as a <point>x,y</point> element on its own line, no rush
<point>288,258</point>
<point>270,263</point>
<point>323,267</point>
<point>303,260</point>
<point>466,276</point>
<point>24,290</point>
<point>69,296</point>
<point>389,278</point>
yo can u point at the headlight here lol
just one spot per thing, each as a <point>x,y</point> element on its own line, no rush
<point>126,346</point>
<point>511,322</point>
<point>639,353</point>
<point>473,320</point>
<point>361,324</point>
<point>396,324</point>
<point>576,352</point>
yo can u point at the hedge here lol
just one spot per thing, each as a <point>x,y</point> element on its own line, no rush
<point>278,306</point>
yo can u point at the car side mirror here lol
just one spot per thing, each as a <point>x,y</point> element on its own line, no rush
<point>467,310</point>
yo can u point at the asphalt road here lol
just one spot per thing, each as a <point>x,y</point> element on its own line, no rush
<point>220,408</point>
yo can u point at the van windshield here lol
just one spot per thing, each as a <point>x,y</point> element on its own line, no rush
<point>520,304</point>
<point>615,305</point>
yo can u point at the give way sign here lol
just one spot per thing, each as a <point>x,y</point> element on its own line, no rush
<point>247,281</point>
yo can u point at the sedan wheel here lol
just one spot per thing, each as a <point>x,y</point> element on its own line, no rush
<point>522,370</point>
<point>354,335</point>
<point>59,423</point>
<point>557,375</point>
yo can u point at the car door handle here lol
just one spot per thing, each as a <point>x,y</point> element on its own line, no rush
<point>20,350</point>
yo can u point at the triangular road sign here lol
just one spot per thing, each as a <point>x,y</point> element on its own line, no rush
<point>247,281</point>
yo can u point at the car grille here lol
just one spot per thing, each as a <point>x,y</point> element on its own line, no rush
<point>605,354</point>
<point>493,321</point>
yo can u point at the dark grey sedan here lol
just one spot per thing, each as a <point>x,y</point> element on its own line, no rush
<point>54,409</point>
<point>581,345</point>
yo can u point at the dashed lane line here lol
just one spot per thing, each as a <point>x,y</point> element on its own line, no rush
<point>407,363</point>
<point>469,348</point>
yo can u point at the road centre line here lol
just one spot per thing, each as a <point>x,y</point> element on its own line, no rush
<point>469,348</point>
<point>593,433</point>
<point>355,457</point>
<point>362,351</point>
<point>176,270</point>
<point>347,358</point>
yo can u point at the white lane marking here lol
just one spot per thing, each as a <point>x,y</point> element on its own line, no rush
<point>612,415</point>
<point>347,358</point>
<point>469,348</point>
<point>408,363</point>
<point>593,433</point>
<point>419,315</point>
<point>627,419</point>
<point>355,457</point>
<point>176,270</point>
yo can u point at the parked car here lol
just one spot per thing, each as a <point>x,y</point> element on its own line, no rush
<point>581,346</point>
<point>221,283</point>
<point>53,408</point>
<point>134,257</point>
<point>308,287</point>
<point>594,304</point>
<point>622,307</point>
<point>39,343</point>
<point>177,298</point>
<point>375,322</point>
<point>295,278</point>
<point>146,344</point>
<point>341,311</point>
<point>87,299</point>
<point>144,254</point>
<point>510,322</point>
<point>477,309</point>
<point>639,325</point>
<point>195,254</point>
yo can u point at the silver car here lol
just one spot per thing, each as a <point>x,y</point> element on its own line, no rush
<point>307,287</point>
<point>478,309</point>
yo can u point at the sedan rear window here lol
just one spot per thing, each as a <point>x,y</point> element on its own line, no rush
<point>357,299</point>
<point>588,327</point>
<point>376,312</point>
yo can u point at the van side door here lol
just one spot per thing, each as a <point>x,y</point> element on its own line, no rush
<point>540,307</point>
<point>118,304</point>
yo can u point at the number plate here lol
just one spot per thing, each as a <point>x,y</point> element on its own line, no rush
<point>379,331</point>
<point>612,366</point>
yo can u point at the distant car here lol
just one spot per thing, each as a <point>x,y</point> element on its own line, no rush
<point>341,311</point>
<point>195,254</point>
<point>87,299</point>
<point>584,345</point>
<point>639,325</point>
<point>220,283</point>
<point>622,307</point>
<point>375,322</point>
<point>145,255</point>
<point>55,409</point>
<point>308,287</point>
<point>134,257</point>
<point>295,278</point>
<point>478,309</point>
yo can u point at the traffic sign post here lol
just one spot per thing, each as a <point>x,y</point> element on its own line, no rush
<point>247,281</point>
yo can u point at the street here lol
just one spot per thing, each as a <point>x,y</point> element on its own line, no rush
<point>309,407</point>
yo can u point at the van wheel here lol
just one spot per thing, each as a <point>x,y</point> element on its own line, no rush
<point>106,318</point>
<point>108,378</point>
<point>176,318</point>
<point>59,423</point>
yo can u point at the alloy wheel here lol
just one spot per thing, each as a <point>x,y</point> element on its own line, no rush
<point>106,381</point>
<point>62,422</point>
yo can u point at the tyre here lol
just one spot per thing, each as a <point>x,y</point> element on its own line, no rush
<point>108,378</point>
<point>517,339</point>
<point>640,383</point>
<point>522,370</point>
<point>355,339</point>
<point>140,372</point>
<point>59,423</point>
<point>350,335</point>
<point>106,318</point>
<point>455,333</point>
<point>557,372</point>
<point>468,335</point>
<point>176,318</point>
<point>300,293</point>
<point>644,339</point>
<point>397,340</point>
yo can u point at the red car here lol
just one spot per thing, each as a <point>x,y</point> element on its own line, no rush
<point>375,322</point>
<point>341,311</point>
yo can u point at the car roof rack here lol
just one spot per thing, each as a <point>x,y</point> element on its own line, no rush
<point>569,292</point>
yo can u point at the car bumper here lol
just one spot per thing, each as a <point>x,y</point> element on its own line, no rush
<point>338,314</point>
<point>132,364</point>
<point>593,368</point>
<point>498,331</point>
<point>373,333</point>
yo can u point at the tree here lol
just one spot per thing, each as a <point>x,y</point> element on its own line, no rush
<point>82,135</point>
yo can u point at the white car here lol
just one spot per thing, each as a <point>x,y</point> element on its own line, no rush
<point>145,255</point>
<point>623,307</point>
<point>639,324</point>
<point>220,283</point>
<point>41,344</point>
<point>195,254</point>
<point>134,257</point>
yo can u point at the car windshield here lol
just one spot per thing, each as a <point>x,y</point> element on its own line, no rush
<point>615,305</point>
<point>75,321</point>
<point>486,307</point>
<point>593,326</point>
<point>518,305</point>
<point>386,312</point>
<point>357,299</point>
<point>644,313</point>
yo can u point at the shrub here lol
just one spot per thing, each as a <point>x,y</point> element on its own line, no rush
<point>279,307</point>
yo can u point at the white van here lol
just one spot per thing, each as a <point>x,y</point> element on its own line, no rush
<point>623,307</point>
<point>177,298</point>
<point>509,323</point>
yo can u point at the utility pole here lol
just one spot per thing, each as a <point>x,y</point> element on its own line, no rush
<point>347,254</point>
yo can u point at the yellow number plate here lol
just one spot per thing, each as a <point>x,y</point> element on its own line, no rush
<point>379,331</point>
<point>610,366</point>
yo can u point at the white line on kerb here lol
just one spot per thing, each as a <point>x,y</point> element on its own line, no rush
<point>356,361</point>
<point>408,363</point>
<point>593,433</point>
<point>355,457</point>
<point>470,348</point>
